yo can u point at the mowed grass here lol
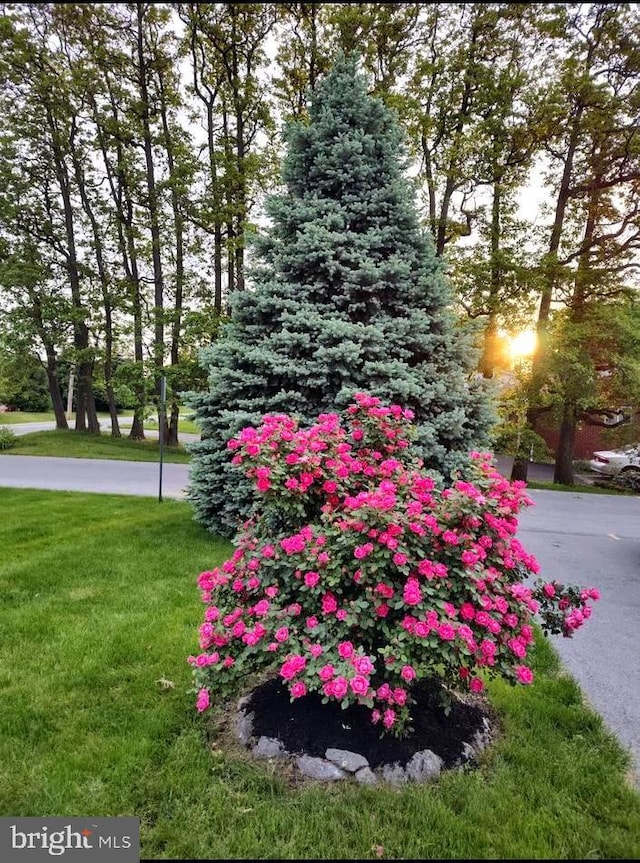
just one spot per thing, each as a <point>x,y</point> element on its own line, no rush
<point>17,417</point>
<point>72,444</point>
<point>124,420</point>
<point>581,489</point>
<point>99,606</point>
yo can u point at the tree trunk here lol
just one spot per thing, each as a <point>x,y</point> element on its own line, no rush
<point>563,473</point>
<point>520,468</point>
<point>51,365</point>
<point>453,179</point>
<point>217,216</point>
<point>230,204</point>
<point>106,296</point>
<point>51,369</point>
<point>158,282</point>
<point>550,264</point>
<point>208,97</point>
<point>489,353</point>
<point>171,437</point>
<point>240,156</point>
<point>119,188</point>
<point>86,417</point>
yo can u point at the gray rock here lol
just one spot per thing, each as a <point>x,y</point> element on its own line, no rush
<point>244,727</point>
<point>243,701</point>
<point>366,776</point>
<point>468,752</point>
<point>269,747</point>
<point>424,766</point>
<point>318,768</point>
<point>350,761</point>
<point>480,740</point>
<point>394,774</point>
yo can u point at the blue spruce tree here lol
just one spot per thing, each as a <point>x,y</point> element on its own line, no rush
<point>349,296</point>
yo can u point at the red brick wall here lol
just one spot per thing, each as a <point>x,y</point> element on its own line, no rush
<point>590,437</point>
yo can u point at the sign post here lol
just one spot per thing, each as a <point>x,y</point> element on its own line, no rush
<point>161,415</point>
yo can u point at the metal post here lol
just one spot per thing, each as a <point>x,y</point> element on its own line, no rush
<point>163,396</point>
<point>70,393</point>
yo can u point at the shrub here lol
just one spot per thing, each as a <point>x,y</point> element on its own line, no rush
<point>509,439</point>
<point>7,438</point>
<point>358,576</point>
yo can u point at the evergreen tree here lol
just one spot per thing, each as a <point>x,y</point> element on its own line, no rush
<point>349,296</point>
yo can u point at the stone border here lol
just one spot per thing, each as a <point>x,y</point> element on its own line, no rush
<point>338,764</point>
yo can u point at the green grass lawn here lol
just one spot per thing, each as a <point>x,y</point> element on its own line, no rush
<point>70,444</point>
<point>583,489</point>
<point>8,418</point>
<point>99,605</point>
<point>184,426</point>
<point>16,417</point>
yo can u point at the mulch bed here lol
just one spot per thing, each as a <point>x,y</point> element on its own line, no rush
<point>306,725</point>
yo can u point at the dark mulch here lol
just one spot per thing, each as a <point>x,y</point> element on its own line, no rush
<point>306,725</point>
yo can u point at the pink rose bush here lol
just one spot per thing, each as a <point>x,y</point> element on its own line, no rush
<point>360,577</point>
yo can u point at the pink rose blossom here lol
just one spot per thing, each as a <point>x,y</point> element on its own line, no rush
<point>525,675</point>
<point>467,611</point>
<point>446,632</point>
<point>412,594</point>
<point>261,608</point>
<point>238,629</point>
<point>345,649</point>
<point>469,558</point>
<point>202,702</point>
<point>363,665</point>
<point>421,629</point>
<point>476,685</point>
<point>407,673</point>
<point>329,603</point>
<point>298,689</point>
<point>389,718</point>
<point>517,647</point>
<point>282,634</point>
<point>384,692</point>
<point>311,579</point>
<point>340,687</point>
<point>359,685</point>
<point>450,537</point>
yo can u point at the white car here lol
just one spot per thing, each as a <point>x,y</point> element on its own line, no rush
<point>617,461</point>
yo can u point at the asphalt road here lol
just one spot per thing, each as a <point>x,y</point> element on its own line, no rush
<point>594,541</point>
<point>93,475</point>
<point>591,540</point>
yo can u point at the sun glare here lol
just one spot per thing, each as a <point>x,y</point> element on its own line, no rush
<point>523,344</point>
